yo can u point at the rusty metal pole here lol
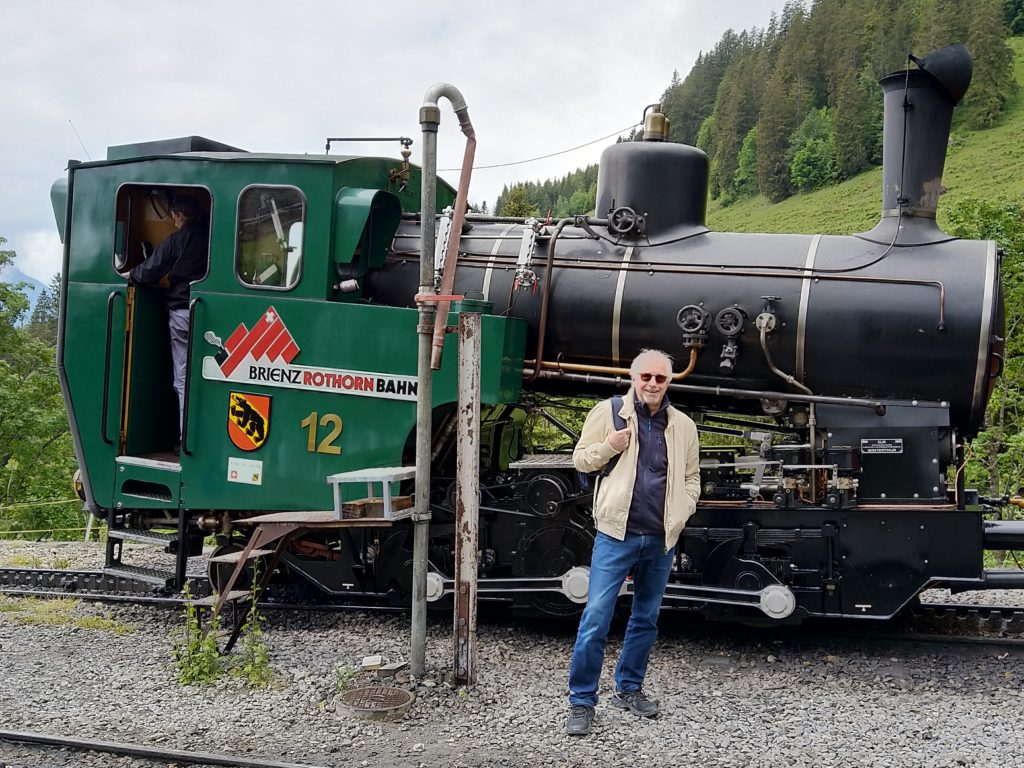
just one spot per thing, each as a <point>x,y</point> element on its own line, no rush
<point>467,490</point>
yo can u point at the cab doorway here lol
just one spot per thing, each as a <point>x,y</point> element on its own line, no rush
<point>147,215</point>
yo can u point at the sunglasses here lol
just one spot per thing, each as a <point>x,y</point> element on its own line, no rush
<point>660,378</point>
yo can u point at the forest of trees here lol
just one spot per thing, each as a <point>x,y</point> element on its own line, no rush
<point>573,193</point>
<point>797,106</point>
<point>37,460</point>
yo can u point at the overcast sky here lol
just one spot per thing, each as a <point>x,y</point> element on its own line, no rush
<point>539,77</point>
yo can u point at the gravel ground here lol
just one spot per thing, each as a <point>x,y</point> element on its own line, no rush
<point>732,701</point>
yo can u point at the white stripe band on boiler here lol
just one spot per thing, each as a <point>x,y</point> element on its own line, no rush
<point>805,300</point>
<point>486,287</point>
<point>985,334</point>
<point>620,287</point>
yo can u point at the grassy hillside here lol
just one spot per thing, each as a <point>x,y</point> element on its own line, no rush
<point>979,163</point>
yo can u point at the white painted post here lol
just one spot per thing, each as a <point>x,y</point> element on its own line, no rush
<point>467,503</point>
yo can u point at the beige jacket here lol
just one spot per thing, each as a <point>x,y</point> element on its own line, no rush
<point>615,492</point>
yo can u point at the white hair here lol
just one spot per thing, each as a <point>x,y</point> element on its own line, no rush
<point>646,354</point>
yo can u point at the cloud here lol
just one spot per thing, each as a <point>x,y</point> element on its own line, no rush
<point>539,77</point>
<point>40,254</point>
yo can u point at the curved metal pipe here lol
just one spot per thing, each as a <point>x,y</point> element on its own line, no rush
<point>771,364</point>
<point>430,118</point>
<point>452,93</point>
<point>546,294</point>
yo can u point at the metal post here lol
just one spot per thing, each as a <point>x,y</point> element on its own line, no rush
<point>467,502</point>
<point>430,119</point>
<point>424,395</point>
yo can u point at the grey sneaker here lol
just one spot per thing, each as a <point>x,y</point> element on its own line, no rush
<point>581,717</point>
<point>636,702</point>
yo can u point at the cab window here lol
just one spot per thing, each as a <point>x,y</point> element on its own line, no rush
<point>271,221</point>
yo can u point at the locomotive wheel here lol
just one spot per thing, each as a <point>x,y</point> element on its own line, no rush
<point>717,563</point>
<point>549,552</point>
<point>219,573</point>
<point>393,564</point>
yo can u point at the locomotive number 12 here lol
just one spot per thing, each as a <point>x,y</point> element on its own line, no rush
<point>331,420</point>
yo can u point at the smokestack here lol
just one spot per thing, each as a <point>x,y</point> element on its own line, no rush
<point>918,113</point>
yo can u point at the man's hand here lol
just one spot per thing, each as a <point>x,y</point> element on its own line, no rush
<point>619,440</point>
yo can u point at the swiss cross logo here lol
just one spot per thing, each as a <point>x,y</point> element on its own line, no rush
<point>268,339</point>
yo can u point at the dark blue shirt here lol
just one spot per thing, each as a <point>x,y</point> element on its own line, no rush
<point>647,509</point>
<point>182,256</point>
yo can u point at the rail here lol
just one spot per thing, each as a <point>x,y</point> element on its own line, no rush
<point>188,371</point>
<point>106,368</point>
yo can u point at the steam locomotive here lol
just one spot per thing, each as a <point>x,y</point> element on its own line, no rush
<point>846,372</point>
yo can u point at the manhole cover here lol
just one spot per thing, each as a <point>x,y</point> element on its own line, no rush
<point>377,702</point>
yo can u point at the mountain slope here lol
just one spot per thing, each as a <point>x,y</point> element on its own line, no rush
<point>985,164</point>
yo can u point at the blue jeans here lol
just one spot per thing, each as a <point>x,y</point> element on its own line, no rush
<point>611,562</point>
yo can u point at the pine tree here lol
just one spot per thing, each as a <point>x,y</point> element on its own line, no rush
<point>788,95</point>
<point>42,326</point>
<point>993,65</point>
<point>941,23</point>
<point>1013,16</point>
<point>735,113</point>
<point>745,180</point>
<point>517,203</point>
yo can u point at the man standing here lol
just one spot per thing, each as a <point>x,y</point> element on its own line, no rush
<point>182,256</point>
<point>640,508</point>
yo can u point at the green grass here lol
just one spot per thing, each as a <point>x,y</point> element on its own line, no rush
<point>985,164</point>
<point>61,612</point>
<point>21,560</point>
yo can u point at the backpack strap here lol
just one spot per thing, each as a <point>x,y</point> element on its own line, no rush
<point>589,480</point>
<point>619,423</point>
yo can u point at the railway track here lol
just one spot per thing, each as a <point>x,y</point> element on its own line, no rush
<point>101,587</point>
<point>981,627</point>
<point>45,742</point>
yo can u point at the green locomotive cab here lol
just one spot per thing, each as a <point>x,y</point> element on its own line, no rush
<point>292,375</point>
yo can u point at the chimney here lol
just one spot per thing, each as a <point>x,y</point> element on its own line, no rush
<point>918,113</point>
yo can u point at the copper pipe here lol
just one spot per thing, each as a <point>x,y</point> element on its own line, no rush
<point>915,507</point>
<point>714,503</point>
<point>881,507</point>
<point>452,254</point>
<point>546,294</point>
<point>749,394</point>
<point>576,367</point>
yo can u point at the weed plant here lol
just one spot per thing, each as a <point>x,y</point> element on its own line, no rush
<point>196,656</point>
<point>344,676</point>
<point>253,664</point>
